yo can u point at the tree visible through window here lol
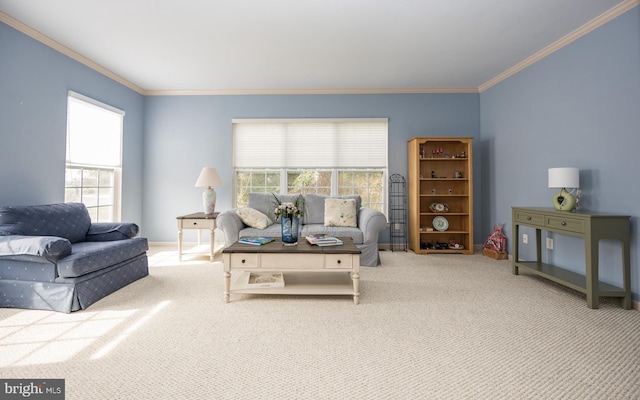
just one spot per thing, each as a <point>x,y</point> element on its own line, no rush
<point>94,157</point>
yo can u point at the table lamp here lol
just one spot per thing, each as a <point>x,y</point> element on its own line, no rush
<point>209,177</point>
<point>564,178</point>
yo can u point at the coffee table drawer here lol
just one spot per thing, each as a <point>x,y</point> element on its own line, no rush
<point>291,261</point>
<point>244,260</point>
<point>337,261</point>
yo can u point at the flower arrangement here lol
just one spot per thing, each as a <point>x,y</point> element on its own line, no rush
<point>288,209</point>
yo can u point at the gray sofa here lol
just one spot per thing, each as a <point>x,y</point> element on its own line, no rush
<point>52,257</point>
<point>365,235</point>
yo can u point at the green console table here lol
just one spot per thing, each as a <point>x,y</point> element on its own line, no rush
<point>590,227</point>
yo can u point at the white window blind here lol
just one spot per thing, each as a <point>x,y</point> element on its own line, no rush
<point>330,143</point>
<point>94,132</point>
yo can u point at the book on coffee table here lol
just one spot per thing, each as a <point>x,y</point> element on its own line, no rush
<point>324,241</point>
<point>256,240</point>
<point>265,280</point>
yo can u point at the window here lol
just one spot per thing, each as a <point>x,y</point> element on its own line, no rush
<point>94,157</point>
<point>327,157</point>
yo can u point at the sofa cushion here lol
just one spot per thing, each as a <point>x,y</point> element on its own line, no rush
<point>66,220</point>
<point>314,207</point>
<point>266,203</point>
<point>340,212</point>
<point>274,230</point>
<point>27,270</point>
<point>253,218</point>
<point>87,257</point>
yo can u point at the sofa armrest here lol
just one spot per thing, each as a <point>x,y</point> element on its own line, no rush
<point>110,231</point>
<point>231,225</point>
<point>51,248</point>
<point>371,222</point>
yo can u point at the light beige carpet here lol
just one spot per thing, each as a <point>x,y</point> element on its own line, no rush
<point>428,327</point>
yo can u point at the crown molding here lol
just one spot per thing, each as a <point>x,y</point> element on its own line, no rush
<point>305,91</point>
<point>27,30</point>
<point>602,19</point>
<point>564,41</point>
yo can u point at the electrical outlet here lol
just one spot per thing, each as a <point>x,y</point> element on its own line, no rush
<point>550,243</point>
<point>525,238</point>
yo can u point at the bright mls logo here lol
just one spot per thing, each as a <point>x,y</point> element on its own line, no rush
<point>44,389</point>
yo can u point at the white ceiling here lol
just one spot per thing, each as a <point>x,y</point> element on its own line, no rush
<point>298,45</point>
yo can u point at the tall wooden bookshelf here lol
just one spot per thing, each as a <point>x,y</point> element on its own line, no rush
<point>441,195</point>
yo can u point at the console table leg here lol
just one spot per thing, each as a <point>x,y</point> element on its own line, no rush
<point>626,273</point>
<point>356,287</point>
<point>516,248</point>
<point>593,279</point>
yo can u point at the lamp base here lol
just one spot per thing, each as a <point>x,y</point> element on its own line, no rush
<point>564,201</point>
<point>209,200</point>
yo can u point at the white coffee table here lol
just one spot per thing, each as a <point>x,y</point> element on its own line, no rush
<point>307,269</point>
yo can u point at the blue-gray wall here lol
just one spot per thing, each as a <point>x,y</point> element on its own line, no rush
<point>578,107</point>
<point>34,81</point>
<point>185,133</point>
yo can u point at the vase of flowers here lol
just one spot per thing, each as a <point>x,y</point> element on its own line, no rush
<point>289,214</point>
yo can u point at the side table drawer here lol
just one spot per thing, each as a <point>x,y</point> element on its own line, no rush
<point>244,260</point>
<point>530,218</point>
<point>339,261</point>
<point>565,224</point>
<point>198,223</point>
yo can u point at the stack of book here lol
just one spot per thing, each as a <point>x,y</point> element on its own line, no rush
<point>256,240</point>
<point>324,240</point>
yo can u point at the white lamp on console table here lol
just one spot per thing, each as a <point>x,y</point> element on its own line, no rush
<point>564,178</point>
<point>209,177</point>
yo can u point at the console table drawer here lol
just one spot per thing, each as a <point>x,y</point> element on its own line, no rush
<point>530,218</point>
<point>338,261</point>
<point>565,224</point>
<point>244,260</point>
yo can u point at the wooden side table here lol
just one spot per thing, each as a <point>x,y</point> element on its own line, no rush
<point>197,221</point>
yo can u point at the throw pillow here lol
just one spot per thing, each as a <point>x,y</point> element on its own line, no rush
<point>253,218</point>
<point>314,207</point>
<point>340,212</point>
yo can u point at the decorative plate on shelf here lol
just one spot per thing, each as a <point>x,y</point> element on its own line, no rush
<point>439,207</point>
<point>440,223</point>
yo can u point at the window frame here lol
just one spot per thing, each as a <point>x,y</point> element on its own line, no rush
<point>284,171</point>
<point>116,198</point>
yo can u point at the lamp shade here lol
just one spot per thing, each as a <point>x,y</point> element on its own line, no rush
<point>208,177</point>
<point>564,178</point>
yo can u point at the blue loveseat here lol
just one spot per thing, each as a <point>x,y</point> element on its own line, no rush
<point>52,257</point>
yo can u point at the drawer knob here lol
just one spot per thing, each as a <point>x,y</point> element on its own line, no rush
<point>528,218</point>
<point>243,260</point>
<point>563,223</point>
<point>195,223</point>
<point>339,261</point>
